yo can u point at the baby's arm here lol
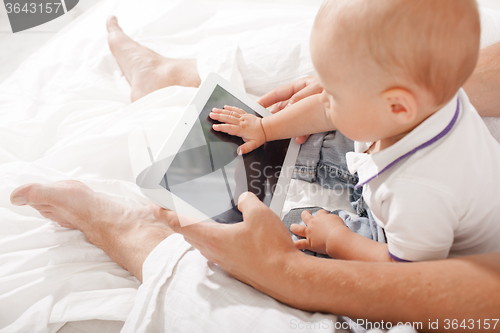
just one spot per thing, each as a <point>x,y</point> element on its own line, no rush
<point>419,225</point>
<point>304,117</point>
<point>307,116</point>
<point>326,233</point>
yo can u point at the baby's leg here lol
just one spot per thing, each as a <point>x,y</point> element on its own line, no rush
<point>322,160</point>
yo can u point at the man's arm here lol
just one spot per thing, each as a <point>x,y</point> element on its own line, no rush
<point>420,292</point>
<point>259,252</point>
<point>483,86</point>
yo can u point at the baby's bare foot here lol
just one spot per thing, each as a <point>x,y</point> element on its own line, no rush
<point>145,70</point>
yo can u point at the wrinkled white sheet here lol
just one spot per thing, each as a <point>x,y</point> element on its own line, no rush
<point>65,114</point>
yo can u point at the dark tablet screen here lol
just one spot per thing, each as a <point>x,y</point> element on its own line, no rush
<point>208,174</point>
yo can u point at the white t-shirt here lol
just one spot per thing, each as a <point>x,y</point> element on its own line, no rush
<point>436,192</point>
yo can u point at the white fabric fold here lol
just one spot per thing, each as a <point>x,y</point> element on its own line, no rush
<point>183,292</point>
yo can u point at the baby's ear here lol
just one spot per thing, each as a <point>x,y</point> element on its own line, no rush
<point>401,105</point>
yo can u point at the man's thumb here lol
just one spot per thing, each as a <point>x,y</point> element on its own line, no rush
<point>248,201</point>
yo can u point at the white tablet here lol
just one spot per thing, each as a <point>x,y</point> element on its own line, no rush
<point>198,172</point>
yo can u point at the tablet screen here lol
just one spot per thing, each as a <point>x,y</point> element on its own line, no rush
<point>208,173</point>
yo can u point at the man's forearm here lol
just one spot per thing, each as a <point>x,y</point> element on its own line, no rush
<point>483,87</point>
<point>413,292</point>
<point>307,116</point>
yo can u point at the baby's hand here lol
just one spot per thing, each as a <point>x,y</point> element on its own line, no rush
<point>238,122</point>
<point>317,232</point>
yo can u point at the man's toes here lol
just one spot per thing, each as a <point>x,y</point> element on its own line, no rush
<point>51,195</point>
<point>34,194</point>
<point>18,196</point>
<point>119,43</point>
<point>112,24</point>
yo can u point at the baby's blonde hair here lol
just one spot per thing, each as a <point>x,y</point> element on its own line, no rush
<point>431,43</point>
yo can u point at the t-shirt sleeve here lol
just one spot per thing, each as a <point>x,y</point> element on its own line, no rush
<point>419,221</point>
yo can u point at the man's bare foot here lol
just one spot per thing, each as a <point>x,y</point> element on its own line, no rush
<point>145,70</point>
<point>127,235</point>
<point>70,203</point>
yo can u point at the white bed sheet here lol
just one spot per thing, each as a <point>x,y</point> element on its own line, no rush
<point>65,114</point>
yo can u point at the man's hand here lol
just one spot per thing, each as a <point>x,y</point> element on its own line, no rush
<point>289,94</point>
<point>238,122</point>
<point>255,251</point>
<point>318,231</point>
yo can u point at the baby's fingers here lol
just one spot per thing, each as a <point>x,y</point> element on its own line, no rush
<point>234,109</point>
<point>224,118</point>
<point>228,112</point>
<point>227,128</point>
<point>248,147</point>
<point>298,229</point>
<point>306,217</point>
<point>322,212</point>
<point>302,244</point>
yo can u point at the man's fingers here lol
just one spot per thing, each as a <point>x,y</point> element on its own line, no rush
<point>291,93</point>
<point>306,216</point>
<point>298,229</point>
<point>247,147</point>
<point>301,139</point>
<point>227,128</point>
<point>277,95</point>
<point>248,202</point>
<point>307,91</point>
<point>304,92</point>
<point>279,106</point>
<point>302,244</point>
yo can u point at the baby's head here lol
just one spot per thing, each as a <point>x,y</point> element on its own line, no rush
<point>386,65</point>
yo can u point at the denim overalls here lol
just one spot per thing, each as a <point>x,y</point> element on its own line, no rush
<point>322,159</point>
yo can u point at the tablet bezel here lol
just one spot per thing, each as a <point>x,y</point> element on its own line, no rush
<point>150,182</point>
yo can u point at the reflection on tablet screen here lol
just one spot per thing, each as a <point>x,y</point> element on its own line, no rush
<point>209,175</point>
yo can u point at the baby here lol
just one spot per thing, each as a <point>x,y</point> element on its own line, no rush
<point>391,72</point>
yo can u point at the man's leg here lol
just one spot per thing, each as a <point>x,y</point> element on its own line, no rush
<point>127,235</point>
<point>145,70</point>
